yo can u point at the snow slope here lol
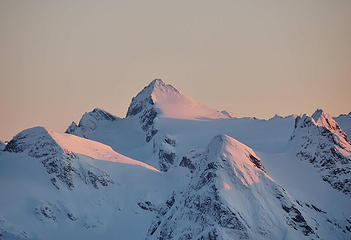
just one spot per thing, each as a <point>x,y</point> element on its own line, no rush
<point>27,141</point>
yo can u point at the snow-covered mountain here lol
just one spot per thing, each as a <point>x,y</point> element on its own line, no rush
<point>320,141</point>
<point>176,169</point>
<point>230,196</point>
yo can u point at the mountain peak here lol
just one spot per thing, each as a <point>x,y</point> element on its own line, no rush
<point>155,89</point>
<point>320,119</point>
<point>319,115</point>
<point>169,102</point>
<point>159,99</point>
<point>159,84</point>
<point>243,154</point>
<point>323,119</point>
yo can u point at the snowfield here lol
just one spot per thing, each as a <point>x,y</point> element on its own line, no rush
<point>176,169</point>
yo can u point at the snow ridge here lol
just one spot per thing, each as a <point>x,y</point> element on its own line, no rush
<point>60,155</point>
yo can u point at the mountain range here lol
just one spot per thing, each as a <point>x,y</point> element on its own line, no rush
<point>173,168</point>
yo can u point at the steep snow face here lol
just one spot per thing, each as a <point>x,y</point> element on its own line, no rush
<point>60,155</point>
<point>344,122</point>
<point>320,140</point>
<point>90,121</point>
<point>230,197</point>
<point>161,100</point>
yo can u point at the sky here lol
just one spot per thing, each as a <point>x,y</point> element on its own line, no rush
<point>59,59</point>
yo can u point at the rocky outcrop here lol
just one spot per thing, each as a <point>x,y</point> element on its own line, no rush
<point>164,150</point>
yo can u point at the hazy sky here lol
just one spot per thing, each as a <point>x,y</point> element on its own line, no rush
<point>59,59</point>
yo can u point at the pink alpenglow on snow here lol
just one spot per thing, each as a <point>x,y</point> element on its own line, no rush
<point>93,149</point>
<point>173,104</point>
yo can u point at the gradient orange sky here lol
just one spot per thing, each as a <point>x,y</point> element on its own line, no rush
<point>59,59</point>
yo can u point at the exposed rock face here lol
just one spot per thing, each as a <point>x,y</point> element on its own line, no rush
<point>89,122</point>
<point>320,141</point>
<point>214,206</point>
<point>143,107</point>
<point>186,162</point>
<point>164,151</point>
<point>62,165</point>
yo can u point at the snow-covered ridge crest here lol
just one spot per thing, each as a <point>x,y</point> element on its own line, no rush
<point>321,141</point>
<point>69,144</point>
<point>63,156</point>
